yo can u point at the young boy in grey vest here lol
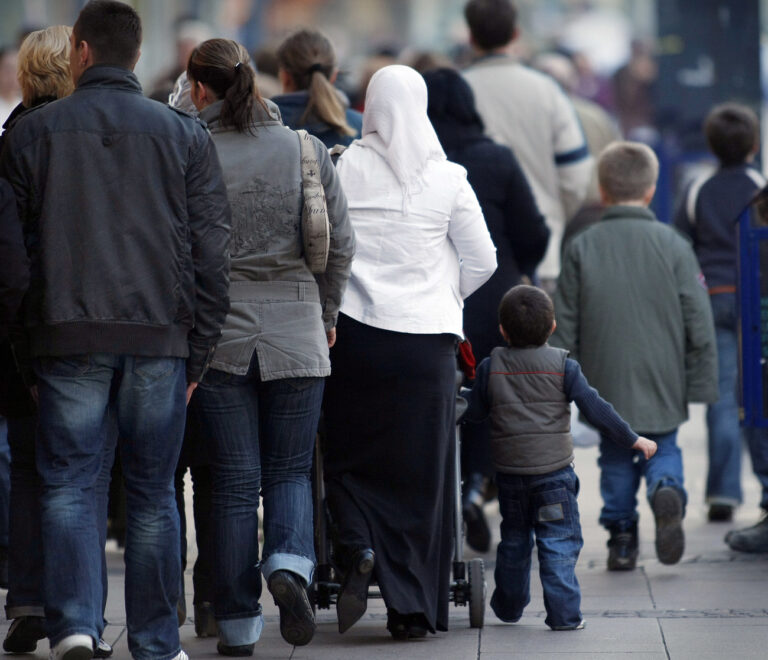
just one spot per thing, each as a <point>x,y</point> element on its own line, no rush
<point>526,389</point>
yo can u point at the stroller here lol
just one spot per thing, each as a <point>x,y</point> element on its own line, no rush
<point>468,587</point>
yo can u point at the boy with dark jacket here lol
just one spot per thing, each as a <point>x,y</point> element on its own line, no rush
<point>633,309</point>
<point>709,215</point>
<point>526,389</point>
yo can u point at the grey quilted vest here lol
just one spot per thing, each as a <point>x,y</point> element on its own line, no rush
<point>530,414</point>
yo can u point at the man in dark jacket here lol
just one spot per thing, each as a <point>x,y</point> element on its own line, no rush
<point>126,223</point>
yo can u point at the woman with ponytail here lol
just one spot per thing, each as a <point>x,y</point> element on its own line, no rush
<point>260,402</point>
<point>310,101</point>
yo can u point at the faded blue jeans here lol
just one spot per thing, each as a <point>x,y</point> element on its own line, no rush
<point>621,470</point>
<point>541,506</point>
<point>79,396</point>
<point>262,437</point>
<point>725,433</point>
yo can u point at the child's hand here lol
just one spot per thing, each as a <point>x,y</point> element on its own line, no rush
<point>648,447</point>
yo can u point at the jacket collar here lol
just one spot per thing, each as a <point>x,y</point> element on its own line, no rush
<point>108,76</point>
<point>624,212</point>
<point>493,59</point>
<point>260,117</point>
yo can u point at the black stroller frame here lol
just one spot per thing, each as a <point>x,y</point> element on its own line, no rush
<point>468,586</point>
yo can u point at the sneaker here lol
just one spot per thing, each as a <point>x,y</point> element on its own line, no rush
<point>667,508</point>
<point>579,626</point>
<point>205,623</point>
<point>73,647</point>
<point>181,656</point>
<point>720,513</point>
<point>297,621</point>
<point>750,539</point>
<point>622,549</point>
<point>24,633</point>
<point>103,649</point>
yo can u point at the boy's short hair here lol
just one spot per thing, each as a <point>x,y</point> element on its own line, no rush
<point>492,23</point>
<point>112,29</point>
<point>626,171</point>
<point>526,314</point>
<point>732,131</point>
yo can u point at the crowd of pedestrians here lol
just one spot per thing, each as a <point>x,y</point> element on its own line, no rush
<point>161,301</point>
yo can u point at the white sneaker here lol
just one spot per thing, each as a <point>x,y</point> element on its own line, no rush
<point>181,656</point>
<point>73,647</point>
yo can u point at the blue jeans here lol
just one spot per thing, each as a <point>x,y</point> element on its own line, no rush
<point>725,434</point>
<point>79,398</point>
<point>262,436</point>
<point>25,559</point>
<point>620,473</point>
<point>544,506</point>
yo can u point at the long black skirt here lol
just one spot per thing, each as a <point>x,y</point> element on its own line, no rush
<point>389,413</point>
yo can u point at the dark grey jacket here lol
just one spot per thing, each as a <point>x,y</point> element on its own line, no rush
<point>126,222</point>
<point>280,309</point>
<point>529,411</point>
<point>632,309</point>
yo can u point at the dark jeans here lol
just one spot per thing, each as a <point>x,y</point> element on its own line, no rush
<point>25,558</point>
<point>541,506</point>
<point>78,398</point>
<point>262,438</point>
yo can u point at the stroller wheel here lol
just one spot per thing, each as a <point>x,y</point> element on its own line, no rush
<point>477,590</point>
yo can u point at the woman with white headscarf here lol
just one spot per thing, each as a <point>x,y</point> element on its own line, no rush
<point>422,247</point>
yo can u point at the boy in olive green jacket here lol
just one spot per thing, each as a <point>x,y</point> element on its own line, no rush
<point>633,309</point>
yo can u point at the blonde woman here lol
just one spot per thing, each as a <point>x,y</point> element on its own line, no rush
<point>309,101</point>
<point>44,76</point>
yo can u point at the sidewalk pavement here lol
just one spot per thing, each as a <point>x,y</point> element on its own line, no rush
<point>712,605</point>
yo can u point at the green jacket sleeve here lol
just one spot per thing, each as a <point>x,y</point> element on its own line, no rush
<point>566,301</point>
<point>700,343</point>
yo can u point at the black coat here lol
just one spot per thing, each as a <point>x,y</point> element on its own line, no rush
<point>126,222</point>
<point>516,226</point>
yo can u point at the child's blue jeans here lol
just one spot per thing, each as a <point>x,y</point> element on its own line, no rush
<point>544,506</point>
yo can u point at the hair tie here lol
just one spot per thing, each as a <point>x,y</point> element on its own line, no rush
<point>316,67</point>
<point>237,66</point>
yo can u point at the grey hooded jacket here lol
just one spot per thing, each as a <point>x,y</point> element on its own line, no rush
<point>279,309</point>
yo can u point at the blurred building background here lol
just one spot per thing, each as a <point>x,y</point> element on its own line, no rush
<point>656,66</point>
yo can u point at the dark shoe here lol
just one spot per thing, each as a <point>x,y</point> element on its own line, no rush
<point>181,610</point>
<point>397,624</point>
<point>237,651</point>
<point>205,623</point>
<point>478,532</point>
<point>102,650</point>
<point>750,539</point>
<point>667,508</point>
<point>353,596</point>
<point>24,633</point>
<point>622,548</point>
<point>297,621</point>
<point>417,626</point>
<point>720,513</point>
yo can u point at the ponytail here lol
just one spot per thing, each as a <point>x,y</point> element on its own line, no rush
<point>308,57</point>
<point>224,66</point>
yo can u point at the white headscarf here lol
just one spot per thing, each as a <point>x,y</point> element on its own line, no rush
<point>396,126</point>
